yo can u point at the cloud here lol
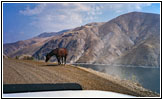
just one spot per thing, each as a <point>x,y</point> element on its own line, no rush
<point>125,7</point>
<point>58,16</point>
<point>37,10</point>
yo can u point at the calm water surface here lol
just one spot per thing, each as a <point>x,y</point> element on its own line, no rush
<point>148,77</point>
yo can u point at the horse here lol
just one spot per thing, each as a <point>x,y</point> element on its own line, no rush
<point>60,53</point>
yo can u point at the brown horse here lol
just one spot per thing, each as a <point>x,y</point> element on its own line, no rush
<point>60,53</point>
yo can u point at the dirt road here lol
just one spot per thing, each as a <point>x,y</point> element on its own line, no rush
<point>30,72</point>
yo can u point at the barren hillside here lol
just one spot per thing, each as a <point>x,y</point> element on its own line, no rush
<point>130,39</point>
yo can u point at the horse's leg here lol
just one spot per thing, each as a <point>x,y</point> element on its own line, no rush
<point>58,58</point>
<point>61,59</point>
<point>65,59</point>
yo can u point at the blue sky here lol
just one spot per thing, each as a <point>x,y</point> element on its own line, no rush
<point>25,20</point>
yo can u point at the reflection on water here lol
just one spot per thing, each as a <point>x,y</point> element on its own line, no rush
<point>148,77</point>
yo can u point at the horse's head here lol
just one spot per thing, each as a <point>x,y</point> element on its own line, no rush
<point>47,57</point>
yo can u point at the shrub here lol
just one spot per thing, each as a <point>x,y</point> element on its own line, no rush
<point>26,57</point>
<point>16,57</point>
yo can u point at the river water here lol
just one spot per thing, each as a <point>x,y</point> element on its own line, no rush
<point>148,77</point>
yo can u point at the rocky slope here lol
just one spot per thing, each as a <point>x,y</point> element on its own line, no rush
<point>129,31</point>
<point>49,34</point>
<point>146,53</point>
<point>132,38</point>
<point>80,42</point>
<point>29,46</point>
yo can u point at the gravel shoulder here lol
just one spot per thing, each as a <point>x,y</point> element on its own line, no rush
<point>36,72</point>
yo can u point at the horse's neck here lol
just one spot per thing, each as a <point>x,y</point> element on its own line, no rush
<point>52,53</point>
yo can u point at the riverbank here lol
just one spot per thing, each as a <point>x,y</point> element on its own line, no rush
<point>32,72</point>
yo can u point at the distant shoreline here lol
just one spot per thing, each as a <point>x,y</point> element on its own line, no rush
<point>115,65</point>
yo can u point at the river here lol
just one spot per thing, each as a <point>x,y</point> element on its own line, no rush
<point>148,77</point>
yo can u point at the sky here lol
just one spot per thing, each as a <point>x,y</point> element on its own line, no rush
<point>25,20</point>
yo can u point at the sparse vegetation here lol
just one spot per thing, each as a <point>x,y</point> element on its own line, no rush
<point>134,78</point>
<point>25,57</point>
<point>28,58</point>
<point>16,57</point>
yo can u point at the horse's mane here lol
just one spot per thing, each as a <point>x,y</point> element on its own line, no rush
<point>52,51</point>
<point>60,53</point>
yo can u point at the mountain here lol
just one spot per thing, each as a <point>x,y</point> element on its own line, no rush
<point>46,34</point>
<point>29,46</point>
<point>147,53</point>
<point>130,39</point>
<point>49,34</point>
<point>23,47</point>
<point>78,41</point>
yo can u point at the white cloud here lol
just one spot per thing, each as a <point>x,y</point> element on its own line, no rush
<point>59,16</point>
<point>81,7</point>
<point>37,10</point>
<point>125,7</point>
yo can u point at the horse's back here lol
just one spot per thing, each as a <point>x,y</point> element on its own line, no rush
<point>62,51</point>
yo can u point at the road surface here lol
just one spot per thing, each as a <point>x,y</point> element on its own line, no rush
<point>36,72</point>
